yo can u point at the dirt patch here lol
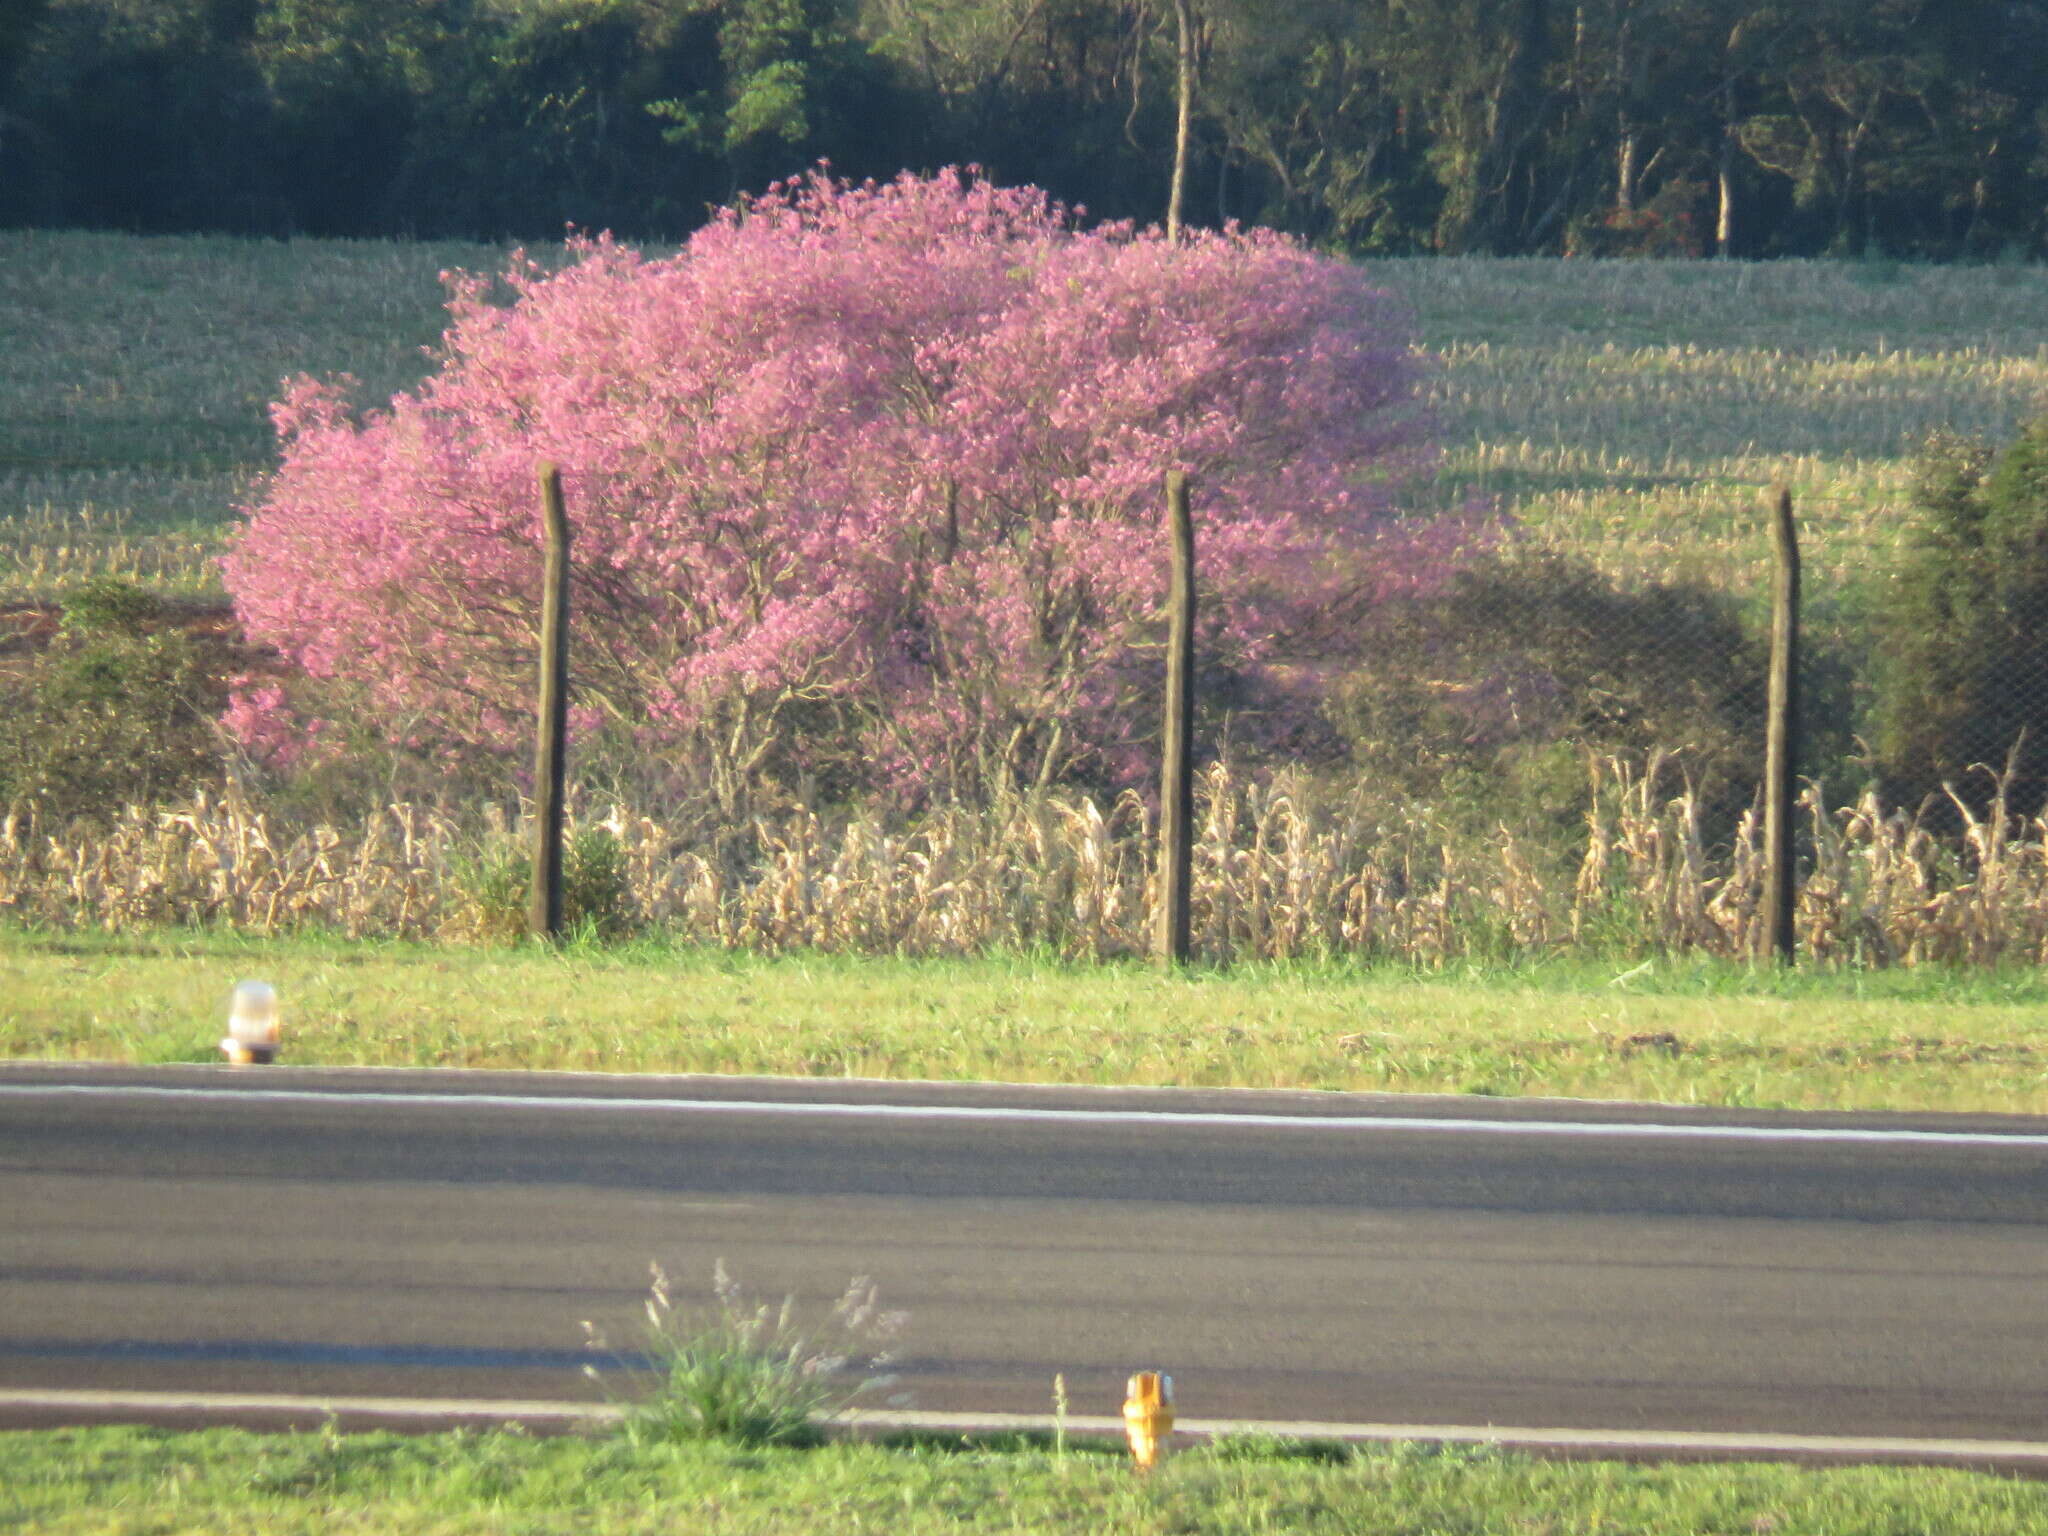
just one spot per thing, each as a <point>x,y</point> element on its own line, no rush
<point>28,630</point>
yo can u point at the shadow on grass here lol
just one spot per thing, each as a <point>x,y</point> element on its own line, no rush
<point>1109,1447</point>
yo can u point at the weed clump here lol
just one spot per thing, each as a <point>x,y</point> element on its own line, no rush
<point>494,886</point>
<point>744,1371</point>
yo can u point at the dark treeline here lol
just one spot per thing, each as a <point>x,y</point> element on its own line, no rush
<point>1605,126</point>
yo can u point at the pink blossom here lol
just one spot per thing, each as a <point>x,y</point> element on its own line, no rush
<point>866,475</point>
<point>264,722</point>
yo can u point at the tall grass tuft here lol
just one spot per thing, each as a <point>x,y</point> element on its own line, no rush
<point>743,1371</point>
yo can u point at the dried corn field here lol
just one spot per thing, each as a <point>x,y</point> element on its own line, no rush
<point>46,550</point>
<point>1632,411</point>
<point>1278,875</point>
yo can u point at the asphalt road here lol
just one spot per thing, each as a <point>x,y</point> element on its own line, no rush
<point>1285,1256</point>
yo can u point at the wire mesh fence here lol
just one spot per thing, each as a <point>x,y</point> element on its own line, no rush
<point>1542,752</point>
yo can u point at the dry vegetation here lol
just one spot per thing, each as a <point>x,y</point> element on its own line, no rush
<point>1279,874</point>
<point>1635,412</point>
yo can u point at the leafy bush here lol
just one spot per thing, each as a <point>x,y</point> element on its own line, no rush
<point>1494,690</point>
<point>865,483</point>
<point>1963,664</point>
<point>743,1370</point>
<point>120,708</point>
<point>597,891</point>
<point>1663,226</point>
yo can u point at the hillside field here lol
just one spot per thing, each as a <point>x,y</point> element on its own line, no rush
<point>1633,410</point>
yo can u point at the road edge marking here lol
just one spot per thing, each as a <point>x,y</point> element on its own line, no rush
<point>1136,1118</point>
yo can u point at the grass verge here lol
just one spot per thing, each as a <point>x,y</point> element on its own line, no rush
<point>1703,1032</point>
<point>138,1481</point>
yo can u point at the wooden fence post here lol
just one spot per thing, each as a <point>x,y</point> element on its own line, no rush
<point>544,909</point>
<point>1781,739</point>
<point>1177,785</point>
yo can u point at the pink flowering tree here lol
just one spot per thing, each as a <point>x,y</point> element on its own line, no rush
<point>865,479</point>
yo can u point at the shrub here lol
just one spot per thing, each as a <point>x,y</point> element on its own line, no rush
<point>865,483</point>
<point>1496,689</point>
<point>1963,664</point>
<point>1663,226</point>
<point>743,1371</point>
<point>119,709</point>
<point>597,892</point>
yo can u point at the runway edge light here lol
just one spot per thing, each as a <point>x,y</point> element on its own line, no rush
<point>1148,1417</point>
<point>252,1024</point>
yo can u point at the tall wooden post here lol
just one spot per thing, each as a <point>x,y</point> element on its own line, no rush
<point>1177,782</point>
<point>1781,740</point>
<point>544,909</point>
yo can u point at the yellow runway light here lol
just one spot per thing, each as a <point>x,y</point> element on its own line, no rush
<point>1148,1417</point>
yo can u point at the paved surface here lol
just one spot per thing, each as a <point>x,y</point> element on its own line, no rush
<point>1338,1257</point>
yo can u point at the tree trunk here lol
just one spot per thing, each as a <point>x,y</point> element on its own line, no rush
<point>1184,108</point>
<point>1625,127</point>
<point>1724,218</point>
<point>1501,200</point>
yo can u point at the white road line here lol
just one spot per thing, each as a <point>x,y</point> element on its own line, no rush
<point>64,1400</point>
<point>1758,1444</point>
<point>1144,1119</point>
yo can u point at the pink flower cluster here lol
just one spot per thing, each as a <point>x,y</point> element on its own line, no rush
<point>866,474</point>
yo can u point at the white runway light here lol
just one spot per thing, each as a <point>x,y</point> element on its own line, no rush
<point>252,1025</point>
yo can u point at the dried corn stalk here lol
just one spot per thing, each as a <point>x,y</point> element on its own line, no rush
<point>1280,872</point>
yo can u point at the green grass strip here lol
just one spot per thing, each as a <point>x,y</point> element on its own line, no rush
<point>135,1481</point>
<point>1692,1032</point>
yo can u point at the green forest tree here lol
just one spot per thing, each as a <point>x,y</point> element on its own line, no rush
<point>1749,127</point>
<point>1963,681</point>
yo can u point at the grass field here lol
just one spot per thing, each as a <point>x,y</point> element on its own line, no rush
<point>140,1482</point>
<point>1638,410</point>
<point>136,374</point>
<point>1635,410</point>
<point>1698,1033</point>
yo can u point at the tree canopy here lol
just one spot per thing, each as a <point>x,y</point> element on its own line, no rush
<point>1756,127</point>
<point>865,484</point>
